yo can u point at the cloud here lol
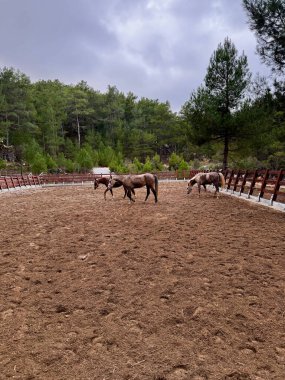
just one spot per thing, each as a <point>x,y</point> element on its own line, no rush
<point>158,49</point>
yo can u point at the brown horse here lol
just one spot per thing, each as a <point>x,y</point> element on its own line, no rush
<point>203,179</point>
<point>131,182</point>
<point>105,181</point>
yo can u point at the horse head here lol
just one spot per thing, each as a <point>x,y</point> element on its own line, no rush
<point>191,182</point>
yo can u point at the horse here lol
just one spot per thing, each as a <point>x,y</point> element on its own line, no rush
<point>203,179</point>
<point>105,181</point>
<point>131,182</point>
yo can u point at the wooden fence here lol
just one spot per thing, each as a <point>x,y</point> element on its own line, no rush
<point>263,184</point>
<point>266,184</point>
<point>19,181</point>
<point>73,178</point>
<point>48,179</point>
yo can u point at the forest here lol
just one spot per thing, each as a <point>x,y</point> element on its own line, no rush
<point>232,120</point>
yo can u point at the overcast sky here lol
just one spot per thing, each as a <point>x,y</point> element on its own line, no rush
<point>159,49</point>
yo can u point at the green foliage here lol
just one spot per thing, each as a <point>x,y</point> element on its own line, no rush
<point>52,125</point>
<point>245,163</point>
<point>84,160</point>
<point>69,166</point>
<point>118,167</point>
<point>117,164</point>
<point>38,164</point>
<point>15,107</point>
<point>147,166</point>
<point>66,164</point>
<point>276,160</point>
<point>137,166</point>
<point>156,163</point>
<point>50,163</point>
<point>195,164</point>
<point>61,160</point>
<point>174,161</point>
<point>2,164</point>
<point>211,109</point>
<point>183,165</point>
<point>30,150</point>
<point>227,77</point>
<point>70,149</point>
<point>266,19</point>
<point>106,155</point>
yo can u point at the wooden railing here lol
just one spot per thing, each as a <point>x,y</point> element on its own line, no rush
<point>18,181</point>
<point>263,184</point>
<point>47,179</point>
<point>81,178</point>
<point>266,184</point>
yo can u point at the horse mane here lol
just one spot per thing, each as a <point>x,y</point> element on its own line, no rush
<point>193,180</point>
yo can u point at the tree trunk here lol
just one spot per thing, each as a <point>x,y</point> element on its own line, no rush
<point>78,131</point>
<point>7,131</point>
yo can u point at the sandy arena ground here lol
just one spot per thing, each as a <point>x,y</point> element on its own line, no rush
<point>189,288</point>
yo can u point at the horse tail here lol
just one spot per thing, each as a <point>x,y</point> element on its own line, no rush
<point>156,184</point>
<point>222,180</point>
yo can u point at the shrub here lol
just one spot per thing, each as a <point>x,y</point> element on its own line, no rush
<point>2,164</point>
<point>156,163</point>
<point>84,160</point>
<point>147,167</point>
<point>38,164</point>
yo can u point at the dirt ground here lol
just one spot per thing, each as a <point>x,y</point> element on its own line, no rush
<point>188,288</point>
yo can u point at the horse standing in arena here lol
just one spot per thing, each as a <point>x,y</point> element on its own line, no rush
<point>203,179</point>
<point>131,182</point>
<point>105,181</point>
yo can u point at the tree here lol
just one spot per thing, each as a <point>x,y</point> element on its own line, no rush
<point>267,20</point>
<point>78,107</point>
<point>84,159</point>
<point>212,107</point>
<point>14,101</point>
<point>58,120</point>
<point>49,99</point>
<point>39,164</point>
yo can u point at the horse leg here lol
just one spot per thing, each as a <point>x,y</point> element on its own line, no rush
<point>105,193</point>
<point>217,190</point>
<point>199,189</point>
<point>129,194</point>
<point>205,187</point>
<point>147,192</point>
<point>154,193</point>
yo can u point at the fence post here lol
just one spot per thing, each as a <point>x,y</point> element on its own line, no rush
<point>230,180</point>
<point>243,182</point>
<point>252,184</point>
<point>236,180</point>
<point>13,183</point>
<point>7,184</point>
<point>23,179</point>
<point>263,185</point>
<point>19,183</point>
<point>276,187</point>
